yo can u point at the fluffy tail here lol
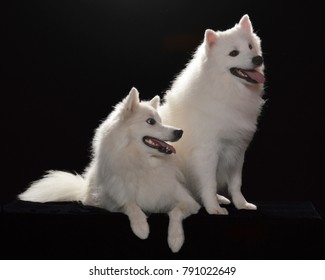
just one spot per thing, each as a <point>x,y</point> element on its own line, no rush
<point>56,186</point>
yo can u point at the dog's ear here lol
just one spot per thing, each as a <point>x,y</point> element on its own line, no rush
<point>155,102</point>
<point>131,102</point>
<point>210,38</point>
<point>246,24</point>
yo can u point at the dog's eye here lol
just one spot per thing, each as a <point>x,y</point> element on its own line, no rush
<point>234,53</point>
<point>250,46</point>
<point>151,121</point>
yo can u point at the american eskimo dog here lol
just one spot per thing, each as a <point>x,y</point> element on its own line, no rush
<point>217,100</point>
<point>133,171</point>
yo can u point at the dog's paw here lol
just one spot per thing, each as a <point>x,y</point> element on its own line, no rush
<point>241,203</point>
<point>217,211</point>
<point>175,243</point>
<point>140,229</point>
<point>248,206</point>
<point>222,199</point>
<point>175,240</point>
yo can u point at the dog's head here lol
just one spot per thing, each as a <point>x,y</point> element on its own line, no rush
<point>237,52</point>
<point>143,125</point>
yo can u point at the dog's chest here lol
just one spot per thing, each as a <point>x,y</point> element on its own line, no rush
<point>235,129</point>
<point>236,120</point>
<point>156,187</point>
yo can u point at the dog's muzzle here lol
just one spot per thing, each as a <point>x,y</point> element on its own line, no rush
<point>250,75</point>
<point>161,145</point>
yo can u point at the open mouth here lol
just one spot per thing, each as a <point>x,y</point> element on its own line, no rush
<point>250,75</point>
<point>159,145</point>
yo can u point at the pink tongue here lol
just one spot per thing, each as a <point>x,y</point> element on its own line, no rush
<point>256,76</point>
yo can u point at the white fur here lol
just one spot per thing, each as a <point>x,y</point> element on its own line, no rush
<point>56,186</point>
<point>125,175</point>
<point>218,112</point>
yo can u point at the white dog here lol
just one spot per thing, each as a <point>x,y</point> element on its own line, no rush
<point>133,171</point>
<point>217,100</point>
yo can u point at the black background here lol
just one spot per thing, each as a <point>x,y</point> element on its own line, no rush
<point>65,63</point>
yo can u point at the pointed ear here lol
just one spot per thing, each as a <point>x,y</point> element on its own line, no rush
<point>154,102</point>
<point>210,38</point>
<point>131,102</point>
<point>246,24</point>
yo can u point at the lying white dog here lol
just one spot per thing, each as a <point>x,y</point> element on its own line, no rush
<point>133,171</point>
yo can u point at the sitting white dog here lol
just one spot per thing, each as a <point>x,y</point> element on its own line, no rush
<point>217,100</point>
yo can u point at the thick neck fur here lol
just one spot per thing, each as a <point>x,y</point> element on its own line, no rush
<point>201,77</point>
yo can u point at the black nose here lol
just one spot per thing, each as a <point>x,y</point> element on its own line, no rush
<point>178,134</point>
<point>257,60</point>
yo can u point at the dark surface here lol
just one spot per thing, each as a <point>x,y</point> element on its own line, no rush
<point>278,230</point>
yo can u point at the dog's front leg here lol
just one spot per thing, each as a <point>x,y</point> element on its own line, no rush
<point>175,229</point>
<point>235,183</point>
<point>186,207</point>
<point>203,167</point>
<point>138,220</point>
